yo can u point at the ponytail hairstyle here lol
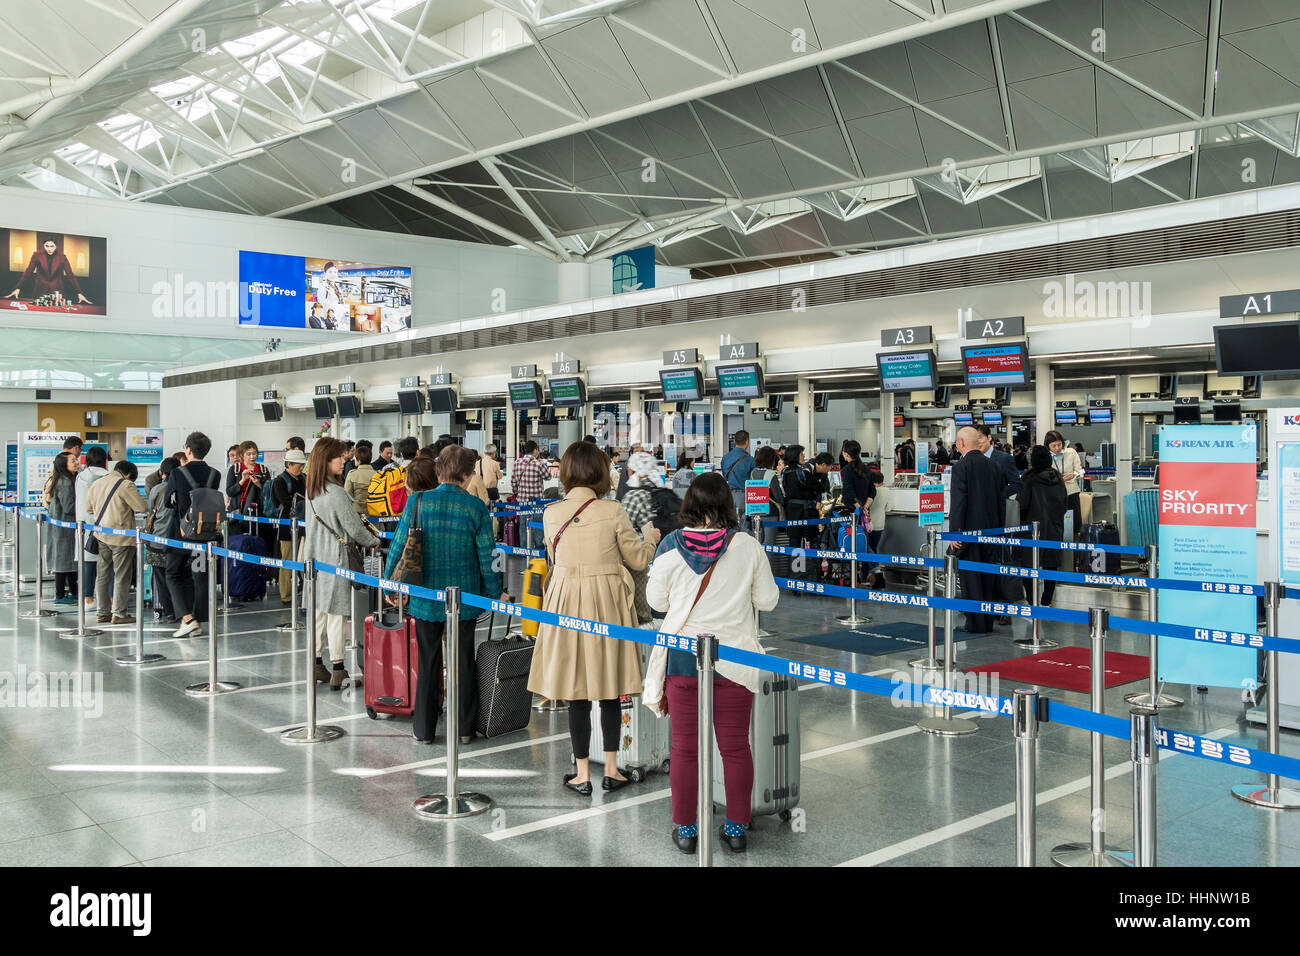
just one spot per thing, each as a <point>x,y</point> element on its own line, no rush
<point>854,450</point>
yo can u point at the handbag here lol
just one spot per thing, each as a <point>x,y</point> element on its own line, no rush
<point>409,568</point>
<point>351,551</point>
<point>92,543</point>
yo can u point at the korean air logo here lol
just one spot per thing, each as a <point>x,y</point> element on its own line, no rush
<point>1176,443</point>
<point>1291,419</point>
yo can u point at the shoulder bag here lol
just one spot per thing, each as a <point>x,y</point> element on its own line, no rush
<point>350,550</point>
<point>410,564</point>
<point>92,543</point>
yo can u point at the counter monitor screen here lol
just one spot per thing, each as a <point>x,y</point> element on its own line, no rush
<point>1187,414</point>
<point>1227,411</point>
<point>1100,416</point>
<point>525,394</point>
<point>442,400</point>
<point>907,371</point>
<point>349,406</point>
<point>992,418</point>
<point>272,411</point>
<point>410,402</point>
<point>740,381</point>
<point>996,366</point>
<point>1067,416</point>
<point>322,406</point>
<point>1260,348</point>
<point>963,418</point>
<point>94,419</point>
<point>682,384</point>
<point>568,392</point>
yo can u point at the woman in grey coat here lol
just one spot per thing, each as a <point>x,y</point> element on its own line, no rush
<point>331,521</point>
<point>61,543</point>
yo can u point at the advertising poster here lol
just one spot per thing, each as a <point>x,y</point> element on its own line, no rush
<point>144,449</point>
<point>36,454</point>
<point>1207,533</point>
<point>331,295</point>
<point>1287,482</point>
<point>922,457</point>
<point>11,468</point>
<point>758,496</point>
<point>930,508</point>
<point>49,271</point>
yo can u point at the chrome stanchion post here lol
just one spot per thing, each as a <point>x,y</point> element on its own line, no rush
<point>1275,796</point>
<point>310,733</point>
<point>38,611</point>
<point>80,630</point>
<point>756,525</point>
<point>211,687</point>
<point>1025,726</point>
<point>852,619</point>
<point>1035,640</point>
<point>225,580</point>
<point>1152,696</point>
<point>945,725</point>
<point>16,590</point>
<point>295,580</point>
<point>140,657</point>
<point>929,662</point>
<point>1143,747</point>
<point>1094,853</point>
<point>706,657</point>
<point>453,803</point>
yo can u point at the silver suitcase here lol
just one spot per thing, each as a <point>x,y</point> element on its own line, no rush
<point>644,740</point>
<point>774,740</point>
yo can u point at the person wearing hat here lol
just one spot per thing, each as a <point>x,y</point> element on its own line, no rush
<point>488,469</point>
<point>638,502</point>
<point>289,491</point>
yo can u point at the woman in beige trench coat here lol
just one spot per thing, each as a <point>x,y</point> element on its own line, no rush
<point>590,579</point>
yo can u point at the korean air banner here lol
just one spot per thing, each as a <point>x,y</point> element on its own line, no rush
<point>1207,533</point>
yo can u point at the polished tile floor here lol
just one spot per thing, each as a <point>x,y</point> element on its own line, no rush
<point>160,778</point>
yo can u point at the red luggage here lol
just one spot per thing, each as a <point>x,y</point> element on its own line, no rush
<point>390,657</point>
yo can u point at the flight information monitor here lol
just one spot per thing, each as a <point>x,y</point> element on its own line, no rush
<point>1101,416</point>
<point>525,394</point>
<point>1261,348</point>
<point>996,366</point>
<point>740,381</point>
<point>682,384</point>
<point>568,392</point>
<point>1067,416</point>
<point>907,371</point>
<point>963,418</point>
<point>992,418</point>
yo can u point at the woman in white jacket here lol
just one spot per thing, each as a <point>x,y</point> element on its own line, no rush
<point>708,579</point>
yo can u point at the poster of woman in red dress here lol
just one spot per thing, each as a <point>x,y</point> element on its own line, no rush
<point>52,272</point>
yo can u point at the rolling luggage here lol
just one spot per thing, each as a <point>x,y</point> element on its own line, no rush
<point>1098,562</point>
<point>644,740</point>
<point>390,657</point>
<point>247,580</point>
<point>505,703</point>
<point>774,739</point>
<point>1141,514</point>
<point>146,581</point>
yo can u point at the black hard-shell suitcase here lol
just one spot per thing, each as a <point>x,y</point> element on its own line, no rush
<point>505,703</point>
<point>1098,562</point>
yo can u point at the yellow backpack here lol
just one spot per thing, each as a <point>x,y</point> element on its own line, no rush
<point>386,493</point>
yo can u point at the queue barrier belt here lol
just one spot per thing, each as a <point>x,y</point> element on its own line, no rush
<point>527,552</point>
<point>1041,543</point>
<point>265,562</point>
<point>802,522</point>
<point>1116,580</point>
<point>870,557</point>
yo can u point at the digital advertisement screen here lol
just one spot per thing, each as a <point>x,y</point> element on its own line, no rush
<point>993,366</point>
<point>963,418</point>
<point>992,418</point>
<point>1100,416</point>
<point>49,271</point>
<point>525,394</point>
<point>331,295</point>
<point>1067,416</point>
<point>740,381</point>
<point>568,392</point>
<point>682,384</point>
<point>906,371</point>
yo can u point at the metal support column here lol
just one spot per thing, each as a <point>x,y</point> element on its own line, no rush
<point>1274,796</point>
<point>945,725</point>
<point>1152,697</point>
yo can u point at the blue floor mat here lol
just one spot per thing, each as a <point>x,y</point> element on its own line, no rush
<point>873,639</point>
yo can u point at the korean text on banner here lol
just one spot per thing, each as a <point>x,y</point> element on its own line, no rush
<point>1207,533</point>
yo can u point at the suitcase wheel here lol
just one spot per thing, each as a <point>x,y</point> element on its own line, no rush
<point>370,712</point>
<point>636,774</point>
<point>663,767</point>
<point>784,816</point>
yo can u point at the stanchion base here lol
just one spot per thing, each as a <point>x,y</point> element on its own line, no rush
<point>1034,644</point>
<point>303,735</point>
<point>39,612</point>
<point>1161,701</point>
<point>1080,854</point>
<point>73,633</point>
<point>1283,798</point>
<point>852,620</point>
<point>925,664</point>
<point>288,627</point>
<point>547,706</point>
<point>211,690</point>
<point>10,596</point>
<point>142,659</point>
<point>438,807</point>
<point>947,727</point>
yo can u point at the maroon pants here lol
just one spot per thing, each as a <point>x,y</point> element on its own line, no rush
<point>732,704</point>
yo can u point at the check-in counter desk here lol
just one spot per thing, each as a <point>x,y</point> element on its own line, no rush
<point>903,534</point>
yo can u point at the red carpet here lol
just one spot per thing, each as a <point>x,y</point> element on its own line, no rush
<point>1066,668</point>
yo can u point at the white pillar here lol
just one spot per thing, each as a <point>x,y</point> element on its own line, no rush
<point>636,423</point>
<point>573,282</point>
<point>511,451</point>
<point>887,436</point>
<point>717,430</point>
<point>1121,431</point>
<point>1044,402</point>
<point>804,417</point>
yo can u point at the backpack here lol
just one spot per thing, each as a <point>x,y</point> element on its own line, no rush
<point>207,512</point>
<point>268,497</point>
<point>666,506</point>
<point>386,494</point>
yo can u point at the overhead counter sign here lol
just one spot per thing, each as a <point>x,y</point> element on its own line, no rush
<point>1259,303</point>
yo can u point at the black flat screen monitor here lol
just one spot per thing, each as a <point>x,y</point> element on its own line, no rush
<point>822,402</point>
<point>410,402</point>
<point>775,403</point>
<point>272,411</point>
<point>907,371</point>
<point>1261,348</point>
<point>525,394</point>
<point>1187,414</point>
<point>322,406</point>
<point>442,400</point>
<point>1101,416</point>
<point>94,419</point>
<point>349,406</point>
<point>568,392</point>
<point>962,418</point>
<point>1066,416</point>
<point>996,366</point>
<point>682,384</point>
<point>992,418</point>
<point>740,381</point>
<point>1227,411</point>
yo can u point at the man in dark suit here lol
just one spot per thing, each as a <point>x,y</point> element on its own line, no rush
<point>1006,464</point>
<point>977,503</point>
<point>1008,588</point>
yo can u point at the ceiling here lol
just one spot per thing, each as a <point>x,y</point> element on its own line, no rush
<point>732,133</point>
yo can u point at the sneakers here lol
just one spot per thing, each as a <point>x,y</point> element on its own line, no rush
<point>337,677</point>
<point>123,619</point>
<point>66,599</point>
<point>103,618</point>
<point>188,630</point>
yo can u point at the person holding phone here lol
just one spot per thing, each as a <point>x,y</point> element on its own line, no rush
<point>1066,460</point>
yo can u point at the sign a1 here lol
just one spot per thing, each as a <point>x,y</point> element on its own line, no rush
<point>995,328</point>
<point>566,367</point>
<point>908,335</point>
<point>523,371</point>
<point>681,356</point>
<point>930,509</point>
<point>1259,303</point>
<point>738,350</point>
<point>758,497</point>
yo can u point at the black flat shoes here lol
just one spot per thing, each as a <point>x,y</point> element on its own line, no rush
<point>684,843</point>
<point>584,789</point>
<point>610,784</point>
